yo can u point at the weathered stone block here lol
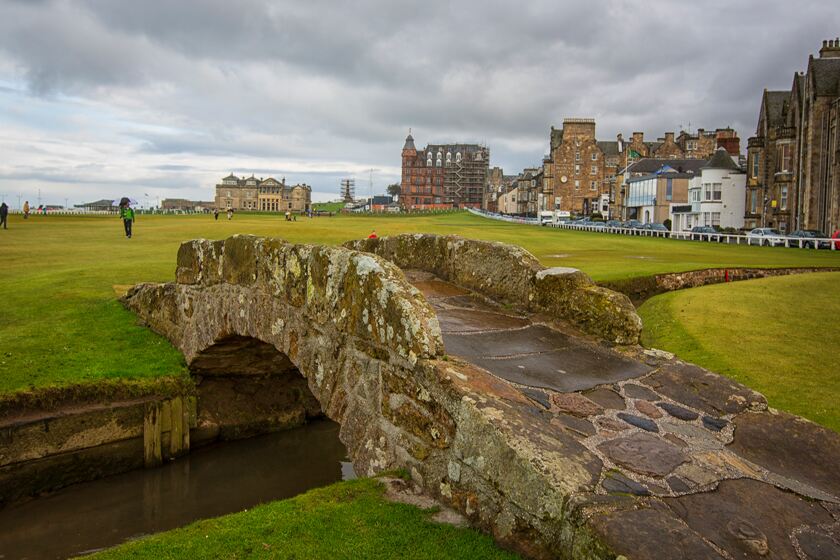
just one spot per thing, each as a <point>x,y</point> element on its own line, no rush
<point>240,260</point>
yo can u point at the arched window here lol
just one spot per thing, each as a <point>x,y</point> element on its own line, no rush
<point>458,157</point>
<point>448,157</point>
<point>429,160</point>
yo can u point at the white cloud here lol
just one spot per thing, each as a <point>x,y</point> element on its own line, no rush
<point>164,97</point>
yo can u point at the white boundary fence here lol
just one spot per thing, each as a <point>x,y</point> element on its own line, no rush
<point>721,237</point>
<point>503,218</point>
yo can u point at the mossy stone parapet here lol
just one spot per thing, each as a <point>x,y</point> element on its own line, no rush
<point>512,275</point>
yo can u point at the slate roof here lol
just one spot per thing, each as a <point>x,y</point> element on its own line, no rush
<point>609,147</point>
<point>649,166</point>
<point>721,160</point>
<point>774,105</point>
<point>826,75</point>
<point>409,143</point>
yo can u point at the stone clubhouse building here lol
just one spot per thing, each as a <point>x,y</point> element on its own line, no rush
<point>262,195</point>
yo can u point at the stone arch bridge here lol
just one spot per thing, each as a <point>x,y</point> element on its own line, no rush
<point>516,394</point>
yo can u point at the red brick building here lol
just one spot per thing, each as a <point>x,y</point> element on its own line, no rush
<point>443,176</point>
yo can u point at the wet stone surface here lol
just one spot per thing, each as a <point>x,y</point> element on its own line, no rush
<point>578,425</point>
<point>728,517</point>
<point>714,424</point>
<point>678,411</point>
<point>644,453</point>
<point>653,432</point>
<point>474,320</point>
<point>575,404</point>
<point>648,409</point>
<point>703,390</point>
<point>819,544</point>
<point>531,340</point>
<point>635,391</point>
<point>617,482</point>
<point>790,446</point>
<point>539,396</point>
<point>607,398</point>
<point>639,422</point>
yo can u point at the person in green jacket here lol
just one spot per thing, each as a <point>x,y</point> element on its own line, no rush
<point>127,215</point>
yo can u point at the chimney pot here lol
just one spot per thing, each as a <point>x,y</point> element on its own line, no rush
<point>825,43</point>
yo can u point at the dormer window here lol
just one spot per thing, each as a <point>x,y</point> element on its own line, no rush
<point>448,157</point>
<point>458,157</point>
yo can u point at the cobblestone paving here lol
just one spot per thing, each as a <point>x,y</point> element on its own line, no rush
<point>709,469</point>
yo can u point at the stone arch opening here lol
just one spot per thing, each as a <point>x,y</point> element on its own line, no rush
<point>246,387</point>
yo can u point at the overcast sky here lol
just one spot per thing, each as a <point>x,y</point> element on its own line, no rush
<point>104,98</point>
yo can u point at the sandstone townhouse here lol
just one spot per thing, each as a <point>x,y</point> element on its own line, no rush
<point>582,174</point>
<point>793,163</point>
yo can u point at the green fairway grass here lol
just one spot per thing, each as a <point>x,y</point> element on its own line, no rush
<point>328,206</point>
<point>346,520</point>
<point>60,321</point>
<point>778,336</point>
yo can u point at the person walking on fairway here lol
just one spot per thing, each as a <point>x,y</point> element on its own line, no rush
<point>127,215</point>
<point>216,214</point>
<point>26,210</point>
<point>4,215</point>
<point>373,235</point>
<point>230,213</point>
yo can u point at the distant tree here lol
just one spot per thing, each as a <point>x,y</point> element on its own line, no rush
<point>394,190</point>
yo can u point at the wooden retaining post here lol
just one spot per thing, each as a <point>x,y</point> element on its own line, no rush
<point>152,456</point>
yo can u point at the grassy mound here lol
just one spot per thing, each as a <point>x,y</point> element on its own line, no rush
<point>778,336</point>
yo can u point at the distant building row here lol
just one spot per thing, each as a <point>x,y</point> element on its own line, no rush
<point>583,175</point>
<point>262,195</point>
<point>580,175</point>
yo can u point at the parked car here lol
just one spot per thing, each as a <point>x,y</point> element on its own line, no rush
<point>809,234</point>
<point>705,233</point>
<point>765,236</point>
<point>599,225</point>
<point>613,223</point>
<point>633,224</point>
<point>659,228</point>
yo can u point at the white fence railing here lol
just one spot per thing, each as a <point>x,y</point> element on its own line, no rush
<point>504,218</point>
<point>824,243</point>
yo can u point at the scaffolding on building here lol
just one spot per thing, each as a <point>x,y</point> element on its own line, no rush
<point>348,190</point>
<point>465,178</point>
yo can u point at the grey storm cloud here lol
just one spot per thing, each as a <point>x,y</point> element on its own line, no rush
<point>294,85</point>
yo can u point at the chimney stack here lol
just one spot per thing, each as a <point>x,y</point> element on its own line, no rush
<point>830,48</point>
